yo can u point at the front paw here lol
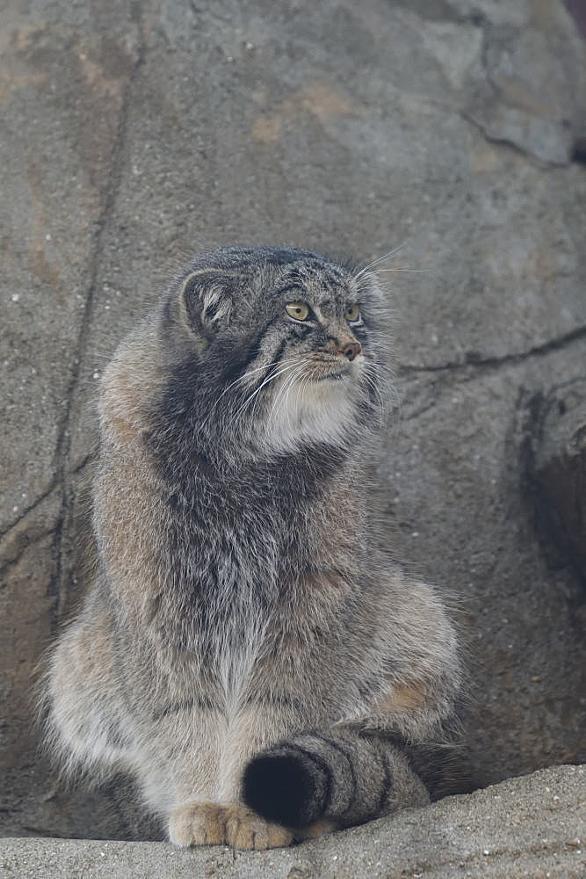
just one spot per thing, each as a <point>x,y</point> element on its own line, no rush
<point>198,824</point>
<point>212,824</point>
<point>247,830</point>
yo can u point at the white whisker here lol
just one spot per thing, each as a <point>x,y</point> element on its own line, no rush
<point>287,368</point>
<point>240,380</point>
<point>372,383</point>
<point>378,260</point>
<point>283,393</point>
<point>282,390</point>
<point>400,269</point>
<point>285,401</point>
<point>266,381</point>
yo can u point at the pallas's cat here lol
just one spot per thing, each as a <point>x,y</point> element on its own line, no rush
<point>247,652</point>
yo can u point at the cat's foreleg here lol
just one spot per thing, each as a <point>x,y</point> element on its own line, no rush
<point>214,814</point>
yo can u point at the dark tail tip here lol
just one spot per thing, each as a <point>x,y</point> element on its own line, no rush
<point>284,787</point>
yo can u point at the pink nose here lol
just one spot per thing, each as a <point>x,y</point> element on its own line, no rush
<point>351,350</point>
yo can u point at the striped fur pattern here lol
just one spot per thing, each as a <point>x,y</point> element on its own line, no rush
<point>246,652</point>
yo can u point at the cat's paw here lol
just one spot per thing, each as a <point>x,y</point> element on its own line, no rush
<point>198,824</point>
<point>247,830</point>
<point>212,824</point>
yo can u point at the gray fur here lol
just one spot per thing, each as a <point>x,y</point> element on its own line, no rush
<point>242,611</point>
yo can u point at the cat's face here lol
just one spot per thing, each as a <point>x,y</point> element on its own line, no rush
<point>284,342</point>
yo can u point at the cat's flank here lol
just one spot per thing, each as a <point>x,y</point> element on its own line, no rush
<point>246,651</point>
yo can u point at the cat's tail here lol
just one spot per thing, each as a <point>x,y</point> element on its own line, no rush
<point>346,776</point>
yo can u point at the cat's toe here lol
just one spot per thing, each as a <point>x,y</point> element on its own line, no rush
<point>198,824</point>
<point>247,830</point>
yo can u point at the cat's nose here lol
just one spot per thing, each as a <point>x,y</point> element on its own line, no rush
<point>351,350</point>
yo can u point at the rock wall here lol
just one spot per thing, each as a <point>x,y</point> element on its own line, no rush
<point>133,134</point>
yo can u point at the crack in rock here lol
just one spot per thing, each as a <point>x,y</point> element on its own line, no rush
<point>64,438</point>
<point>476,361</point>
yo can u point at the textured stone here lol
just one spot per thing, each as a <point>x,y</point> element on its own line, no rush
<point>533,826</point>
<point>559,449</point>
<point>133,134</point>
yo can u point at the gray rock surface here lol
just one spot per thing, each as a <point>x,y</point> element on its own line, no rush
<point>559,449</point>
<point>134,133</point>
<point>525,827</point>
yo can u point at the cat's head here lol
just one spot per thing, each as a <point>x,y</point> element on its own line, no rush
<point>281,346</point>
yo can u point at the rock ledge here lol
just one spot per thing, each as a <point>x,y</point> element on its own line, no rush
<point>534,826</point>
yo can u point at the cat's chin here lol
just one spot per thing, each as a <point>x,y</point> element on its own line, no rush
<point>321,412</point>
<point>335,386</point>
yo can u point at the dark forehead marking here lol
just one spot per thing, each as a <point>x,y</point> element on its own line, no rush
<point>248,258</point>
<point>330,290</point>
<point>252,257</point>
<point>322,269</point>
<point>327,276</point>
<point>284,256</point>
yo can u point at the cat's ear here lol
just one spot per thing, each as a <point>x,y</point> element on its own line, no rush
<point>206,301</point>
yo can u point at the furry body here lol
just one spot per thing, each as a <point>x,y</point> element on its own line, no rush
<point>246,652</point>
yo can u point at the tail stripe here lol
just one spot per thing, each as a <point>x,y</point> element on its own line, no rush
<point>350,762</point>
<point>322,767</point>
<point>387,783</point>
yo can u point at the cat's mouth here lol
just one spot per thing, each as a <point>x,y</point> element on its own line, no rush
<point>328,368</point>
<point>333,376</point>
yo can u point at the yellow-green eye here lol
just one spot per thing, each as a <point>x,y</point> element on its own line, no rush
<point>352,314</point>
<point>297,310</point>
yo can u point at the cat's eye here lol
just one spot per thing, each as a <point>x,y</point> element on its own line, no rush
<point>352,314</point>
<point>297,310</point>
